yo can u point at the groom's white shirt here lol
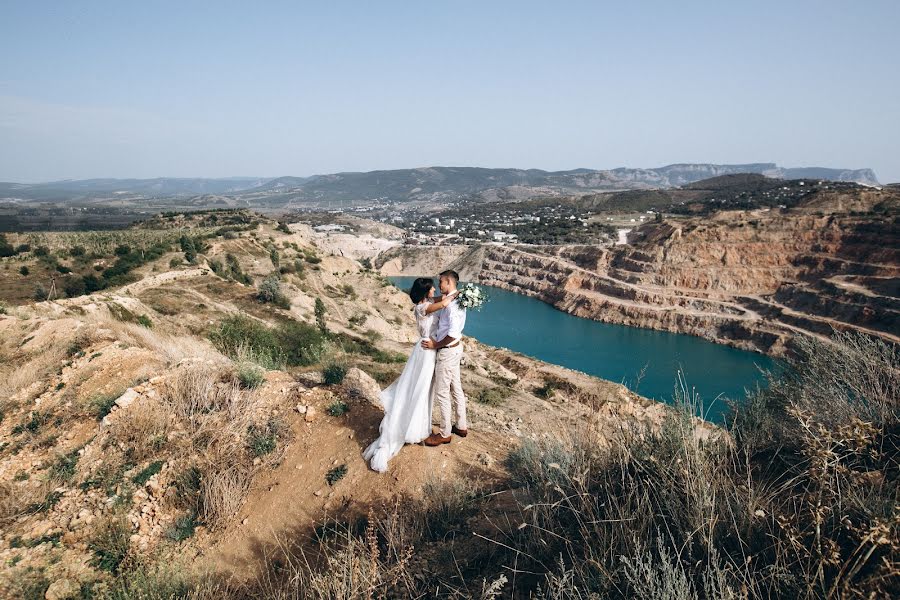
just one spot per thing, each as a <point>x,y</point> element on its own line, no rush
<point>451,322</point>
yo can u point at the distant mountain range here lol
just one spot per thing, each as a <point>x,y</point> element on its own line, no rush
<point>416,185</point>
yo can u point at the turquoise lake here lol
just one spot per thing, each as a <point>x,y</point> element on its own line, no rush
<point>615,352</point>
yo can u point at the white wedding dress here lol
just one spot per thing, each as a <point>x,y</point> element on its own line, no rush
<point>408,401</point>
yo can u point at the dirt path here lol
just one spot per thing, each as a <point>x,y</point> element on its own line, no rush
<point>162,278</point>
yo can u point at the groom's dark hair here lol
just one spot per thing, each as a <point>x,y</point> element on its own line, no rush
<point>451,274</point>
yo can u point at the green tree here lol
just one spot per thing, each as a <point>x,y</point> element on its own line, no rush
<point>189,248</point>
<point>5,248</point>
<point>320,315</point>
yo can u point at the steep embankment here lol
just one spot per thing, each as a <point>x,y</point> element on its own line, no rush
<point>420,260</point>
<point>751,279</point>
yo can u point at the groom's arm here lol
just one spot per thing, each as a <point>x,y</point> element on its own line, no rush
<point>433,345</point>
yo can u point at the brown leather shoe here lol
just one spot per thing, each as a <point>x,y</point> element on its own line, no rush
<point>460,432</point>
<point>436,439</point>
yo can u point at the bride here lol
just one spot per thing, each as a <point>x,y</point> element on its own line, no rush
<point>408,402</point>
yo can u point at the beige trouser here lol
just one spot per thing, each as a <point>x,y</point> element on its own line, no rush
<point>447,383</point>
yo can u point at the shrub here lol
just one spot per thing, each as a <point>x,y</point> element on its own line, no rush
<point>24,271</point>
<point>493,396</point>
<point>270,291</point>
<point>222,493</point>
<point>23,248</point>
<point>64,467</point>
<point>262,440</point>
<point>147,472</point>
<point>5,248</point>
<point>336,474</point>
<point>320,316</point>
<point>250,376</point>
<point>334,374</point>
<point>92,283</point>
<point>301,344</point>
<point>239,335</point>
<point>183,528</point>
<point>101,405</point>
<point>144,321</point>
<point>110,544</point>
<point>40,292</point>
<point>338,408</point>
<point>75,286</point>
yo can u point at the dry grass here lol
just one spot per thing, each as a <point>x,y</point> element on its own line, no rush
<point>140,431</point>
<point>223,489</point>
<point>17,499</point>
<point>172,349</point>
<point>26,378</point>
<point>221,417</point>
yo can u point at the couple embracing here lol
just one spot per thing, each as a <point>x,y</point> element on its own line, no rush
<point>431,374</point>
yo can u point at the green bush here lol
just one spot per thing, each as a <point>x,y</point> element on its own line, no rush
<point>183,528</point>
<point>338,408</point>
<point>270,292</point>
<point>238,335</point>
<point>101,405</point>
<point>301,344</point>
<point>262,440</point>
<point>147,472</point>
<point>250,376</point>
<point>334,374</point>
<point>110,544</point>
<point>493,396</point>
<point>24,271</point>
<point>5,248</point>
<point>75,286</point>
<point>64,467</point>
<point>336,474</point>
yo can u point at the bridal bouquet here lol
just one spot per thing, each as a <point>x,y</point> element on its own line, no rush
<point>471,296</point>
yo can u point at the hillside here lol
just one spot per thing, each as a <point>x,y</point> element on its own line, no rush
<point>174,416</point>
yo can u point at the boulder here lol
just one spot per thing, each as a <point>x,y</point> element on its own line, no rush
<point>361,385</point>
<point>61,589</point>
<point>125,400</point>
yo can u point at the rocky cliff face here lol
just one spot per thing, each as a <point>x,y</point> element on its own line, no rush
<point>748,279</point>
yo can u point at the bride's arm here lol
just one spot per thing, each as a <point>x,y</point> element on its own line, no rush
<point>444,302</point>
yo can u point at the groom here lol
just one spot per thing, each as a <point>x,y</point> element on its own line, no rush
<point>446,371</point>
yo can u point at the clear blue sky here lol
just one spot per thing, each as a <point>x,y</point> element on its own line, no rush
<point>147,89</point>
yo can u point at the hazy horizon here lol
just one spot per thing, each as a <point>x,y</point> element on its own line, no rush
<point>271,177</point>
<point>107,90</point>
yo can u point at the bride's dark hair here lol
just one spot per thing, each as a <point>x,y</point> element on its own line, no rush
<point>420,288</point>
